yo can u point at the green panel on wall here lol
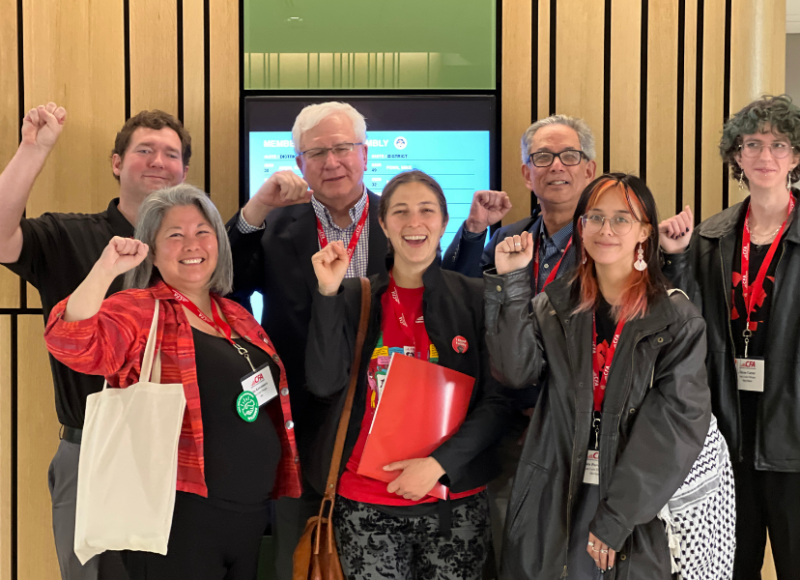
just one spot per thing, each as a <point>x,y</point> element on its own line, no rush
<point>362,44</point>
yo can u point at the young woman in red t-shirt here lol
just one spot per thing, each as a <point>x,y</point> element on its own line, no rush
<point>397,529</point>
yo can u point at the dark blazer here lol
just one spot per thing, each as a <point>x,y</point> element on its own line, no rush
<point>276,261</point>
<point>452,306</point>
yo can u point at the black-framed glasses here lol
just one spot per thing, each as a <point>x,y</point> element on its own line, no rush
<point>546,158</point>
<point>620,224</point>
<point>339,150</point>
<point>753,149</point>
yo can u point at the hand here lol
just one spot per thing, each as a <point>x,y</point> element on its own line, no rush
<point>488,207</point>
<point>514,253</point>
<point>675,233</point>
<point>330,266</point>
<point>121,255</point>
<point>603,556</point>
<point>42,126</point>
<point>417,479</point>
<point>282,189</point>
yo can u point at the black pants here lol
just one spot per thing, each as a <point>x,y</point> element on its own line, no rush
<point>291,515</point>
<point>766,500</point>
<point>206,542</point>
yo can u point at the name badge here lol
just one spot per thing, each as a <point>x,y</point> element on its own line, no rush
<point>591,474</point>
<point>261,384</point>
<point>750,372</point>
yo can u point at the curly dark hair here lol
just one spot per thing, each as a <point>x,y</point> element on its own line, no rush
<point>779,113</point>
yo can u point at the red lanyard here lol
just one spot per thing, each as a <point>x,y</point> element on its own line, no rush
<point>351,248</point>
<point>217,324</point>
<point>422,350</point>
<point>752,294</point>
<point>554,271</point>
<point>600,372</point>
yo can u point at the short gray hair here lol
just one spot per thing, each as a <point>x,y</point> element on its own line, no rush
<point>151,215</point>
<point>313,115</point>
<point>576,124</point>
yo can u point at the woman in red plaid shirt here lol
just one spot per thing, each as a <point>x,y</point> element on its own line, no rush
<point>233,457</point>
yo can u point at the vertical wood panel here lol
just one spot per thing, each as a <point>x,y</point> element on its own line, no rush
<point>543,43</point>
<point>9,124</point>
<point>6,466</point>
<point>626,25</point>
<point>154,55</point>
<point>194,105</point>
<point>579,64</point>
<point>37,437</point>
<point>662,104</point>
<point>516,102</point>
<point>690,108</point>
<point>224,106</point>
<point>713,111</point>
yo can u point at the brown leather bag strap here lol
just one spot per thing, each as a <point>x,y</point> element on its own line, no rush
<point>344,420</point>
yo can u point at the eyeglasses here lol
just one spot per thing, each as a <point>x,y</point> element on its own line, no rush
<point>339,150</point>
<point>546,158</point>
<point>620,224</point>
<point>779,149</point>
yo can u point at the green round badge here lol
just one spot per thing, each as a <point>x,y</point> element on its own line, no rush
<point>247,406</point>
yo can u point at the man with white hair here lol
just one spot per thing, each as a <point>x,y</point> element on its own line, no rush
<point>557,164</point>
<point>273,238</point>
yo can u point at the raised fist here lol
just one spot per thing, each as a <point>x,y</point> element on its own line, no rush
<point>42,126</point>
<point>675,233</point>
<point>330,266</point>
<point>121,255</point>
<point>283,188</point>
<point>514,253</point>
<point>488,207</point>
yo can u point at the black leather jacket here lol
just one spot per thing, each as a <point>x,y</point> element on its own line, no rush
<point>704,273</point>
<point>655,417</point>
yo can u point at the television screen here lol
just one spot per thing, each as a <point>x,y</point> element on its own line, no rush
<point>450,138</point>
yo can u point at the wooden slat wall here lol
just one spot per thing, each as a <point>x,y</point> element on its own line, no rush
<point>76,55</point>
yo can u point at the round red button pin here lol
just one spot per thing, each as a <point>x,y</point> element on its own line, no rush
<point>460,344</point>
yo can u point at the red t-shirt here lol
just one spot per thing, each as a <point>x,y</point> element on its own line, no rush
<point>393,340</point>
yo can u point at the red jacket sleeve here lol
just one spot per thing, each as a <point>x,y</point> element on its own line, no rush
<point>102,344</point>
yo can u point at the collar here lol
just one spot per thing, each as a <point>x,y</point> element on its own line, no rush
<point>160,291</point>
<point>121,226</point>
<point>727,221</point>
<point>324,215</point>
<point>560,238</point>
<point>431,278</point>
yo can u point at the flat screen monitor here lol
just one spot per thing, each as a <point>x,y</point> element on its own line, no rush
<point>452,138</point>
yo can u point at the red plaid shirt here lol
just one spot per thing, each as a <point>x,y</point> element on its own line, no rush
<point>111,343</point>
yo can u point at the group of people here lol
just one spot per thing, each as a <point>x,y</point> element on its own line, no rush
<point>617,358</point>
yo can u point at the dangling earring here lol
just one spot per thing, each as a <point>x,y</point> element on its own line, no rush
<point>741,181</point>
<point>640,264</point>
<point>583,254</point>
<point>789,181</point>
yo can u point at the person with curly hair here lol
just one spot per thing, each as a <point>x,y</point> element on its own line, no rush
<point>741,267</point>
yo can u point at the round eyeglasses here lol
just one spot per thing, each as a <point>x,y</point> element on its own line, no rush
<point>753,149</point>
<point>620,224</point>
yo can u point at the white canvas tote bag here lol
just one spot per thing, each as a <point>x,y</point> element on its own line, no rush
<point>129,463</point>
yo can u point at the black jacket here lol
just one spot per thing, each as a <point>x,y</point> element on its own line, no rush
<point>655,417</point>
<point>704,273</point>
<point>452,305</point>
<point>277,262</point>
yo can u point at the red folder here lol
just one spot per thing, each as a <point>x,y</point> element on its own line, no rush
<point>422,405</point>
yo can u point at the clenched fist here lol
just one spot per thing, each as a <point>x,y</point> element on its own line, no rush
<point>514,253</point>
<point>282,189</point>
<point>42,126</point>
<point>675,233</point>
<point>330,266</point>
<point>488,207</point>
<point>121,255</point>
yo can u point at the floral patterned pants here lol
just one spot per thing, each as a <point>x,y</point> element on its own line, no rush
<point>374,545</point>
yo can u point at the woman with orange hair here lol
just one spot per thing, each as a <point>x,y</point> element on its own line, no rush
<point>624,407</point>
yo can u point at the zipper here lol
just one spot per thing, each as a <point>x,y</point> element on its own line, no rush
<point>572,459</point>
<point>725,287</point>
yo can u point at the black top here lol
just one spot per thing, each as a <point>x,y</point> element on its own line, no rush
<point>58,251</point>
<point>748,400</point>
<point>241,458</point>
